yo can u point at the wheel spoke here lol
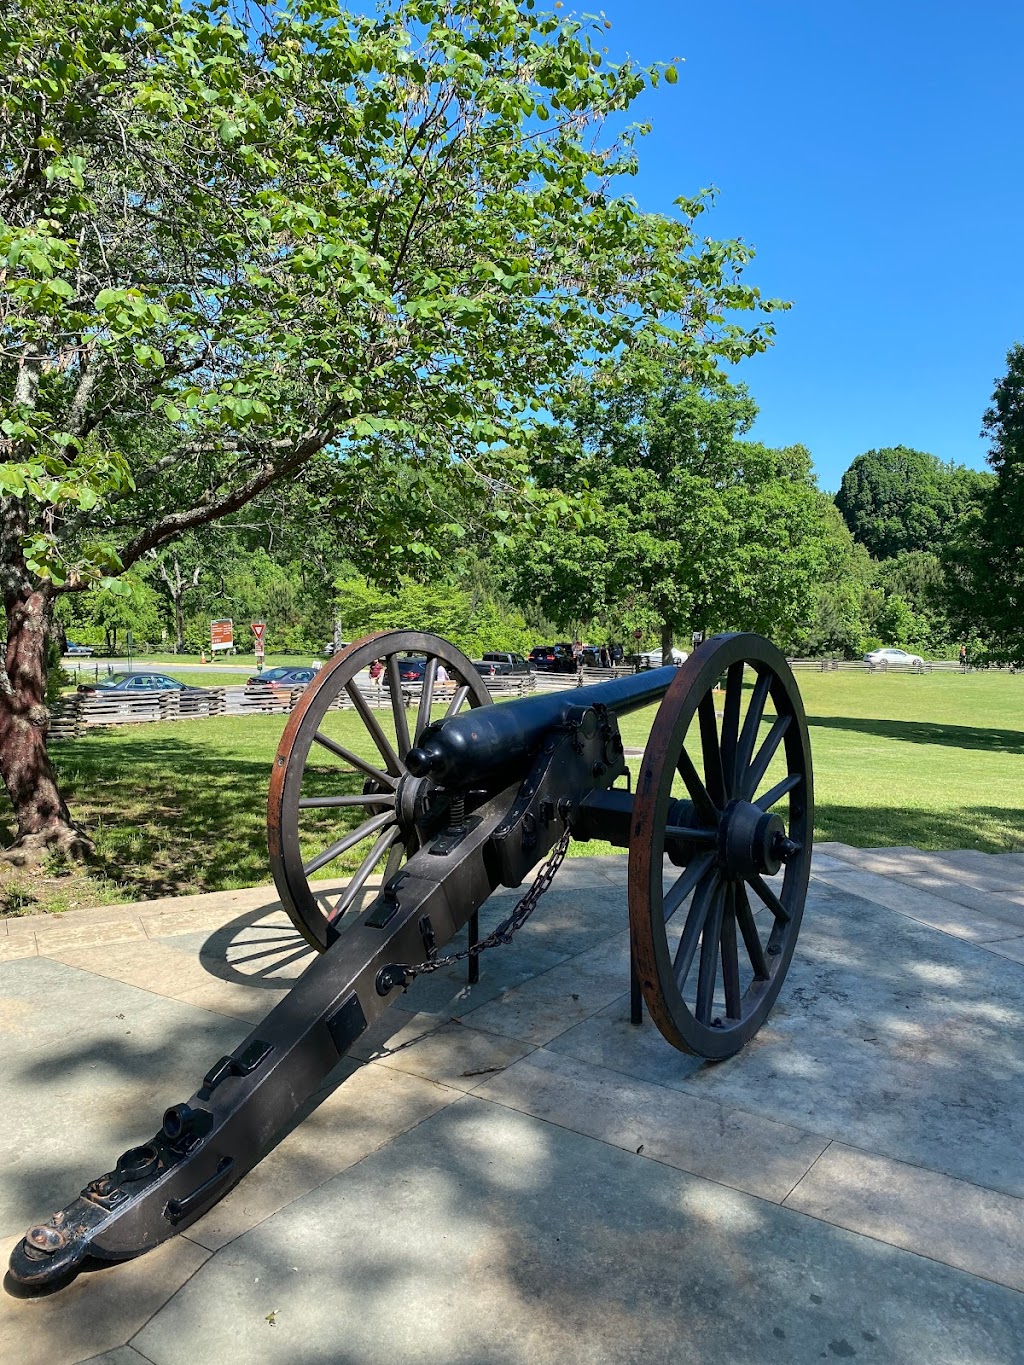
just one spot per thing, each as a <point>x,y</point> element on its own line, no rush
<point>780,790</point>
<point>707,972</point>
<point>362,872</point>
<point>385,748</point>
<point>751,938</point>
<point>769,897</point>
<point>349,840</point>
<point>680,889</point>
<point>730,957</point>
<point>377,774</point>
<point>699,906</point>
<point>455,705</point>
<point>757,770</point>
<point>731,725</point>
<point>394,862</point>
<point>706,809</point>
<point>752,722</point>
<point>331,802</point>
<point>398,705</point>
<point>426,697</point>
<point>711,749</point>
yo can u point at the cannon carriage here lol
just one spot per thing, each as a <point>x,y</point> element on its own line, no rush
<point>432,809</point>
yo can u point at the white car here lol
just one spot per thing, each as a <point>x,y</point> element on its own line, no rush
<point>893,656</point>
<point>652,657</point>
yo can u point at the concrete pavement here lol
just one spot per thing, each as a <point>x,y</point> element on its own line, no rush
<point>513,1173</point>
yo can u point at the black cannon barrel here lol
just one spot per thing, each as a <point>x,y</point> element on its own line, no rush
<point>491,740</point>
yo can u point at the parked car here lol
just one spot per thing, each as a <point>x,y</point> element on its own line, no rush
<point>75,651</point>
<point>496,665</point>
<point>410,669</point>
<point>652,658</point>
<point>137,684</point>
<point>891,656</point>
<point>282,677</point>
<point>552,659</point>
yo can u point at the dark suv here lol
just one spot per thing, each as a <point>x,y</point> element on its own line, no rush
<point>497,665</point>
<point>552,659</point>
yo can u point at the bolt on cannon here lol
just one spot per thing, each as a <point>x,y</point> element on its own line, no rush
<point>451,805</point>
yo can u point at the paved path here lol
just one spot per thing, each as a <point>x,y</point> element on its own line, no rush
<point>512,1173</point>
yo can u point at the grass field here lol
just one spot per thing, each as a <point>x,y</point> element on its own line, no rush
<point>935,761</point>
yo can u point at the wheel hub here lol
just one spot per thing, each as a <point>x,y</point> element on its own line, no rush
<point>752,842</point>
<point>411,800</point>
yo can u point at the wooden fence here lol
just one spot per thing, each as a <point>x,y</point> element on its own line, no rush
<point>82,711</point>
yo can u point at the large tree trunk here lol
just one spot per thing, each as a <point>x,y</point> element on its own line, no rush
<point>666,642</point>
<point>44,821</point>
<point>179,627</point>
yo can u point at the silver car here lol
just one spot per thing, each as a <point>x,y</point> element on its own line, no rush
<point>892,656</point>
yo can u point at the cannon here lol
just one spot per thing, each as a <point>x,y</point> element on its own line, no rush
<point>432,798</point>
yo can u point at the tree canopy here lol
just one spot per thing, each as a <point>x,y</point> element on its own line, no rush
<point>690,527</point>
<point>986,563</point>
<point>229,247</point>
<point>899,499</point>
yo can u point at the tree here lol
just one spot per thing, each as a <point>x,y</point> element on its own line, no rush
<point>471,621</point>
<point>985,563</point>
<point>394,236</point>
<point>180,568</point>
<point>133,608</point>
<point>838,619</point>
<point>899,499</point>
<point>690,527</point>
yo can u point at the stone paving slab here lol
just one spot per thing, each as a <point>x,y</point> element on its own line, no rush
<point>515,1240</point>
<point>98,1312</point>
<point>512,1172</point>
<point>949,1220</point>
<point>888,1036</point>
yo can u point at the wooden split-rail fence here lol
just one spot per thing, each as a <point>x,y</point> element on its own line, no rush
<point>82,711</point>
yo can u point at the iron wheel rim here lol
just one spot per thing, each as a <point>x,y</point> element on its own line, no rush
<point>719,898</point>
<point>316,920</point>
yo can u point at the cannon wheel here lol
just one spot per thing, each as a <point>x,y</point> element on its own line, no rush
<point>712,944</point>
<point>381,840</point>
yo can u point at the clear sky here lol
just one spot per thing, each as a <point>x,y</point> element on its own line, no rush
<point>872,152</point>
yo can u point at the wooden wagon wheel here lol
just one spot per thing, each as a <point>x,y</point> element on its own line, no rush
<point>712,943</point>
<point>349,791</point>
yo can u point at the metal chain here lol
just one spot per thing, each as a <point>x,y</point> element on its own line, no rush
<point>508,927</point>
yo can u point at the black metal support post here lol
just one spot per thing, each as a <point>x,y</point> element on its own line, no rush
<point>473,962</point>
<point>636,999</point>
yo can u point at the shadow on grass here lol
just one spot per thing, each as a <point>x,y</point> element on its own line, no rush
<point>926,732</point>
<point>170,817</point>
<point>992,829</point>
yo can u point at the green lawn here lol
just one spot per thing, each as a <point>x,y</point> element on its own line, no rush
<point>936,761</point>
<point>243,660</point>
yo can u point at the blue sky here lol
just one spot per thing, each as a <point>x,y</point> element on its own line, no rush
<point>873,155</point>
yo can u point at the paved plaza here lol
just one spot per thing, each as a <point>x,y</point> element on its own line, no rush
<point>511,1172</point>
